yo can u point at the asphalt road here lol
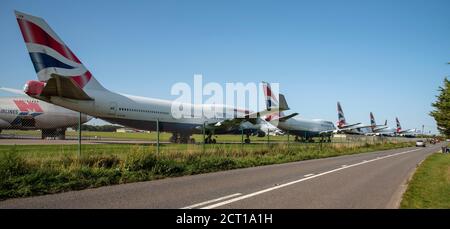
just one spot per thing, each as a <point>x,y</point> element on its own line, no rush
<point>369,180</point>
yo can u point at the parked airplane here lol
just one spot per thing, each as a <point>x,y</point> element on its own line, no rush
<point>303,129</point>
<point>405,133</point>
<point>343,127</point>
<point>65,81</point>
<point>380,129</point>
<point>26,113</point>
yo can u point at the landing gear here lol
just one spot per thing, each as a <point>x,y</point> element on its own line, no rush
<point>247,140</point>
<point>209,139</point>
<point>303,139</point>
<point>59,133</point>
<point>181,138</point>
<point>173,138</point>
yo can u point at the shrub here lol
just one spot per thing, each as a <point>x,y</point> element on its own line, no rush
<point>140,161</point>
<point>12,164</point>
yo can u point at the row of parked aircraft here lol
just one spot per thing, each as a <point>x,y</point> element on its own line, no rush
<point>65,87</point>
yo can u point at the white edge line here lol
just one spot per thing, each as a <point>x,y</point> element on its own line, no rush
<point>212,201</point>
<point>308,175</point>
<point>300,180</point>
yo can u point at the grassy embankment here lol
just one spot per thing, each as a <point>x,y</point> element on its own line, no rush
<point>36,170</point>
<point>164,137</point>
<point>430,185</point>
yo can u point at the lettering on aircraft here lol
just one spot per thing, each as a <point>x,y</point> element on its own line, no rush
<point>28,108</point>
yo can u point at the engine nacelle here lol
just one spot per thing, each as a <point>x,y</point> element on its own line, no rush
<point>33,87</point>
<point>261,134</point>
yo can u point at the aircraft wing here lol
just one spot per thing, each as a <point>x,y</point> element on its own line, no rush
<point>284,118</point>
<point>406,131</point>
<point>12,90</point>
<point>380,128</point>
<point>235,123</point>
<point>348,127</point>
<point>327,132</point>
<point>253,118</point>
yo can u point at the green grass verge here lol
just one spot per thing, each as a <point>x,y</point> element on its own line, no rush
<point>430,185</point>
<point>164,137</point>
<point>36,170</point>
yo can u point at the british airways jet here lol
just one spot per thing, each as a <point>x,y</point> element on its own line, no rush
<point>344,127</point>
<point>303,129</point>
<point>26,113</point>
<point>63,80</point>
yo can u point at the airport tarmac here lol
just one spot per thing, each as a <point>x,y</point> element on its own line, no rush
<point>368,180</point>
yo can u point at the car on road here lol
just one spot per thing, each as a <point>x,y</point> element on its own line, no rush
<point>420,143</point>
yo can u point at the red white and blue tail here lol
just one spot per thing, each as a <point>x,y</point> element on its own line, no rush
<point>341,118</point>
<point>271,99</point>
<point>399,127</point>
<point>50,56</point>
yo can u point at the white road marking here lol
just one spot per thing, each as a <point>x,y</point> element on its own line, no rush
<point>308,175</point>
<point>212,201</point>
<point>343,166</point>
<point>300,180</point>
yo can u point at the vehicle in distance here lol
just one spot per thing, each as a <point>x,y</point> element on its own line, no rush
<point>420,143</point>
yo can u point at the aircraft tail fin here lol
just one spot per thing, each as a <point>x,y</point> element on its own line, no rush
<point>272,101</point>
<point>399,127</point>
<point>372,120</point>
<point>53,60</point>
<point>341,117</point>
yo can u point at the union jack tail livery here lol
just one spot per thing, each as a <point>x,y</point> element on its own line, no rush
<point>271,100</point>
<point>399,127</point>
<point>372,120</point>
<point>341,118</point>
<point>53,61</point>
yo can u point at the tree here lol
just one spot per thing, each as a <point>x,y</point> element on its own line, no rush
<point>442,109</point>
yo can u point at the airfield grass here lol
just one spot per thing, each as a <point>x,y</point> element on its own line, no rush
<point>27,170</point>
<point>152,136</point>
<point>430,185</point>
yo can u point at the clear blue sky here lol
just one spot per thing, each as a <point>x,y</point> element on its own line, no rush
<point>388,57</point>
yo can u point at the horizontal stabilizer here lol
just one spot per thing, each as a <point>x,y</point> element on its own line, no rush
<point>349,126</point>
<point>380,128</point>
<point>64,87</point>
<point>283,119</point>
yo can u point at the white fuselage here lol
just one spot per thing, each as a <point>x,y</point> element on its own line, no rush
<point>24,112</point>
<point>143,113</point>
<point>305,128</point>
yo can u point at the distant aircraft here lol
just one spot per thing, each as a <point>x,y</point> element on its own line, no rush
<point>65,81</point>
<point>26,113</point>
<point>404,133</point>
<point>380,129</point>
<point>303,129</point>
<point>343,127</point>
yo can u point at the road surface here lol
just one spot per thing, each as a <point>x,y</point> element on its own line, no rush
<point>368,180</point>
